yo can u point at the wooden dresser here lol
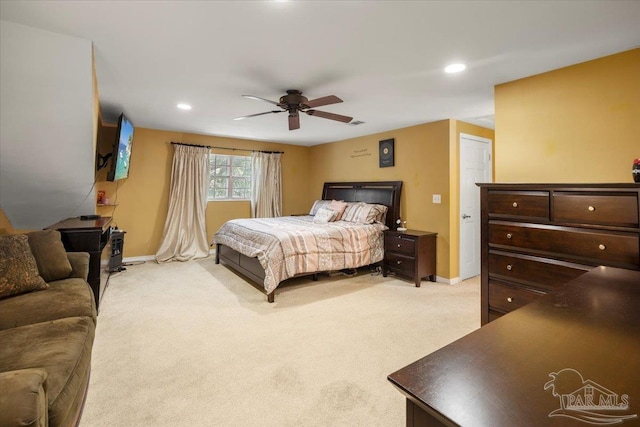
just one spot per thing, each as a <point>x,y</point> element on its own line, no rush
<point>536,237</point>
<point>411,254</point>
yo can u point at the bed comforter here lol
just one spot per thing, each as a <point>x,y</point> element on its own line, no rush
<point>288,246</point>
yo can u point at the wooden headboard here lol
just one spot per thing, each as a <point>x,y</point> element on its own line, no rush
<point>381,192</point>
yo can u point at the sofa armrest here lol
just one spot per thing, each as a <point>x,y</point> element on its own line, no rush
<point>23,401</point>
<point>79,265</point>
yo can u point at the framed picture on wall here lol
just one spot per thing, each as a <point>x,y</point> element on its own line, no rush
<point>386,153</point>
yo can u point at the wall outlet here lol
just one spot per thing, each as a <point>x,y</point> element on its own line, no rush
<point>437,198</point>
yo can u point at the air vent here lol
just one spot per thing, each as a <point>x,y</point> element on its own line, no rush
<point>355,123</point>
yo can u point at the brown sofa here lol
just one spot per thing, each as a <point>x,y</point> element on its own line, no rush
<point>47,326</point>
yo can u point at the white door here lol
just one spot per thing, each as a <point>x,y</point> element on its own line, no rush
<point>475,166</point>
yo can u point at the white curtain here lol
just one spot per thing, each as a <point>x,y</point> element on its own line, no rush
<point>266,185</point>
<point>185,230</point>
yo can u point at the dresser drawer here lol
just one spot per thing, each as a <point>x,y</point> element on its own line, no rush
<point>531,204</point>
<point>615,209</point>
<point>399,263</point>
<point>544,273</point>
<point>598,247</point>
<point>400,244</point>
<point>505,297</point>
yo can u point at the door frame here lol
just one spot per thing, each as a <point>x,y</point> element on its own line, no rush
<point>478,139</point>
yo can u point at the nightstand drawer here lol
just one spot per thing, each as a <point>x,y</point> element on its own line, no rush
<point>399,263</point>
<point>532,204</point>
<point>399,243</point>
<point>617,210</point>
<point>505,297</point>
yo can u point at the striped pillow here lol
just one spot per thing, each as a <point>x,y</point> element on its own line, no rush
<point>364,213</point>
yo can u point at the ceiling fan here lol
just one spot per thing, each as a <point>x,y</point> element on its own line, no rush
<point>295,103</point>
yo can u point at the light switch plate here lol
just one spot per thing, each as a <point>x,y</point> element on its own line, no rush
<point>437,198</point>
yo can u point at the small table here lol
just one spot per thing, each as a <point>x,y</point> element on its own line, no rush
<point>411,254</point>
<point>90,236</point>
<point>582,339</point>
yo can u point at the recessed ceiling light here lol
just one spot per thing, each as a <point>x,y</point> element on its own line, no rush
<point>455,68</point>
<point>184,106</point>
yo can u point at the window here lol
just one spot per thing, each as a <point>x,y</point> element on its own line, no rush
<point>229,177</point>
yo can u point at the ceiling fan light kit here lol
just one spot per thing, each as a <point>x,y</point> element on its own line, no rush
<point>294,103</point>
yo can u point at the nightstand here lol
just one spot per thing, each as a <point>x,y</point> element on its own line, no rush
<point>411,254</point>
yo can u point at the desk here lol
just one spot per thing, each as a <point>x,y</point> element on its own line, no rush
<point>496,376</point>
<point>90,236</point>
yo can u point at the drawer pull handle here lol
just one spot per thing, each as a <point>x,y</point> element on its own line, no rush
<point>399,245</point>
<point>515,204</point>
<point>591,208</point>
<point>509,267</point>
<point>509,235</point>
<point>509,299</point>
<point>399,262</point>
<point>602,247</point>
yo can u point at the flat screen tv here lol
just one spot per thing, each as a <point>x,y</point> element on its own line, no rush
<point>121,153</point>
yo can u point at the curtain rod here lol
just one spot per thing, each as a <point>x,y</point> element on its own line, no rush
<point>226,148</point>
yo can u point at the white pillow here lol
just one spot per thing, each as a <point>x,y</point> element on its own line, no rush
<point>325,215</point>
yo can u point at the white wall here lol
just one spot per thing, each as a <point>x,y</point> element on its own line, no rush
<point>47,155</point>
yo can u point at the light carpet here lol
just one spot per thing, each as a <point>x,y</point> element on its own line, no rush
<point>194,344</point>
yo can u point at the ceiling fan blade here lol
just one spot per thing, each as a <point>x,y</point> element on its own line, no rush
<point>294,121</point>
<point>257,98</point>
<point>258,114</point>
<point>330,116</point>
<point>325,100</point>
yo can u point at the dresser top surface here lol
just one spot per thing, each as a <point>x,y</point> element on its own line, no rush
<point>79,224</point>
<point>503,374</point>
<point>580,186</point>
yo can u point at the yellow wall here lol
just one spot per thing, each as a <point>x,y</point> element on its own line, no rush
<point>426,160</point>
<point>142,198</point>
<point>6,227</point>
<point>576,124</point>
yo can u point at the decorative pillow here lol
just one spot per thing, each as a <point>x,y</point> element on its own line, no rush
<point>319,204</point>
<point>338,206</point>
<point>324,215</point>
<point>18,268</point>
<point>382,217</point>
<point>51,257</point>
<point>364,213</point>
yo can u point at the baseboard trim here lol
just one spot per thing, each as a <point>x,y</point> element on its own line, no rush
<point>145,258</point>
<point>453,281</point>
<point>139,258</point>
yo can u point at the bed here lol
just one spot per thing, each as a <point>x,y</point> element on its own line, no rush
<point>238,242</point>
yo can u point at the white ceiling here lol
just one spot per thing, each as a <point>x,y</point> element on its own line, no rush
<point>383,58</point>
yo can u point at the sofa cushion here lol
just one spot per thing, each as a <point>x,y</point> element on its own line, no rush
<point>18,268</point>
<point>80,264</point>
<point>64,298</point>
<point>63,349</point>
<point>23,401</point>
<point>50,255</point>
